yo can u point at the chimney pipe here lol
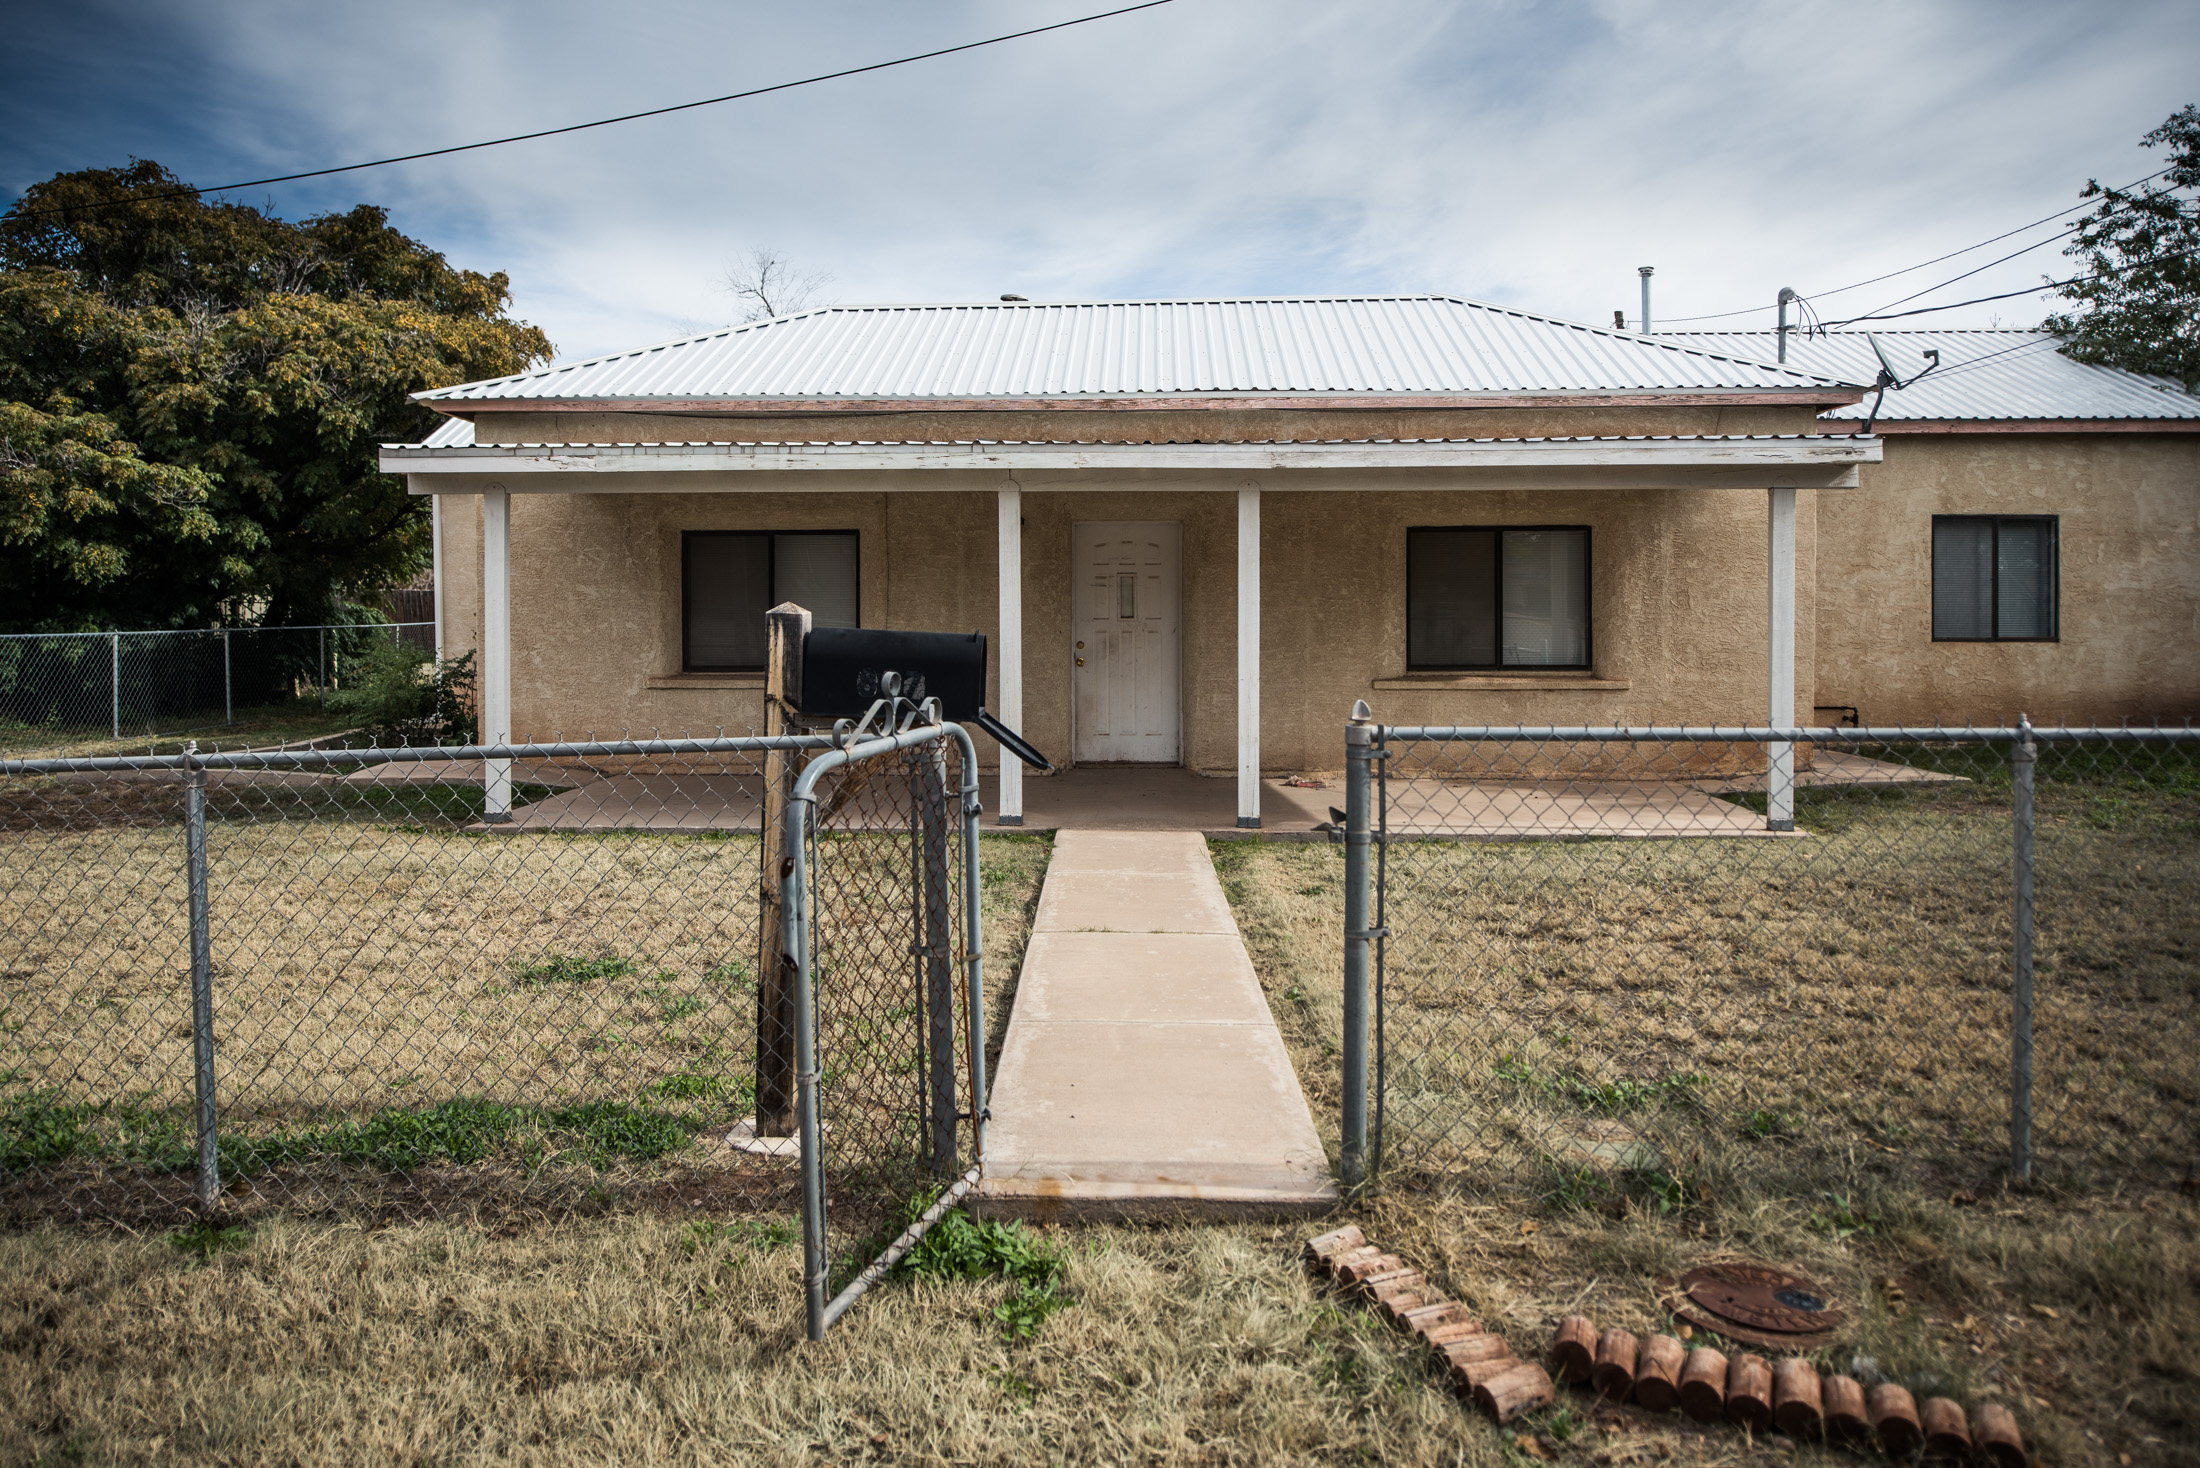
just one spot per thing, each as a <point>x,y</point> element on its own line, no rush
<point>1787,294</point>
<point>1645,271</point>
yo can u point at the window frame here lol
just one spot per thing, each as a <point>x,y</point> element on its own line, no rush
<point>1588,605</point>
<point>1993,594</point>
<point>771,572</point>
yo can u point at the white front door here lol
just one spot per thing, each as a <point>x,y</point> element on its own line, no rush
<point>1123,624</point>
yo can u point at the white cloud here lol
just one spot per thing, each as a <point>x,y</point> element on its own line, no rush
<point>1532,154</point>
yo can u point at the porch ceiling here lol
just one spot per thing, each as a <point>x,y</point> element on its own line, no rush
<point>1756,461</point>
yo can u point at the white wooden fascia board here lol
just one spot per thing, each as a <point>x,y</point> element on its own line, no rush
<point>1400,477</point>
<point>521,459</point>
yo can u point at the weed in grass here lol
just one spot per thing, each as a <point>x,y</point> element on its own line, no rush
<point>1564,1423</point>
<point>685,1005</point>
<point>206,1238</point>
<point>1616,1097</point>
<point>732,972</point>
<point>964,1248</point>
<point>1763,1124</point>
<point>568,968</point>
<point>748,1233</point>
<point>1841,1218</point>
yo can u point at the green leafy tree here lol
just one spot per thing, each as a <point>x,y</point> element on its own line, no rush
<point>191,395</point>
<point>2140,292</point>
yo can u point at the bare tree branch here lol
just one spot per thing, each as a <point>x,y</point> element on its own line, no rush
<point>768,286</point>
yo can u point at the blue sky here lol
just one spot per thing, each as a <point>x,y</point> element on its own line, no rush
<point>1529,154</point>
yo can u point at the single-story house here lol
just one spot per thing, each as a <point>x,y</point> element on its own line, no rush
<point>1197,531</point>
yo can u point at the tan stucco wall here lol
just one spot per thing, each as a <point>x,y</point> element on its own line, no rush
<point>1678,599</point>
<point>2129,507</point>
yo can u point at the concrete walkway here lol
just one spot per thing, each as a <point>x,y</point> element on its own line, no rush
<point>1142,1075</point>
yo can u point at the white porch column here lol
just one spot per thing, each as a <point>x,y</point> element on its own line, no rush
<point>1780,660</point>
<point>1011,650</point>
<point>435,582</point>
<point>496,648</point>
<point>1248,656</point>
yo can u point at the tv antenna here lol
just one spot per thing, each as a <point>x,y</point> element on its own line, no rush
<point>1888,377</point>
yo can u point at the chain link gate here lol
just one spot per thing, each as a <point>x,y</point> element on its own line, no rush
<point>1575,954</point>
<point>331,983</point>
<point>906,984</point>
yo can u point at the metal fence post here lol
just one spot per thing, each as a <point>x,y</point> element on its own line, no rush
<point>2024,756</point>
<point>321,667</point>
<point>795,933</point>
<point>1359,741</point>
<point>114,669</point>
<point>229,705</point>
<point>939,976</point>
<point>973,942</point>
<point>202,976</point>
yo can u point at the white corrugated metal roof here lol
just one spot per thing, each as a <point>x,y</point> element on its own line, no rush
<point>451,433</point>
<point>1982,375</point>
<point>1405,345</point>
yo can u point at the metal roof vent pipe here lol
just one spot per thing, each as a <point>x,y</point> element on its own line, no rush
<point>1787,294</point>
<point>1645,271</point>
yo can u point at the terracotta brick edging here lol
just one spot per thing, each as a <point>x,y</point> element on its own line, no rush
<point>1658,1373</point>
<point>1477,1363</point>
<point>1788,1395</point>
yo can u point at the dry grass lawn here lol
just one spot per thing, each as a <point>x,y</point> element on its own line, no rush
<point>634,1337</point>
<point>517,1022</point>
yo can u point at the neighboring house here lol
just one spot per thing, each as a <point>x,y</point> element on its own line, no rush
<point>1196,531</point>
<point>2030,544</point>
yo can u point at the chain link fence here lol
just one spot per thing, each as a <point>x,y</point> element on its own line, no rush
<point>1588,955</point>
<point>321,983</point>
<point>68,687</point>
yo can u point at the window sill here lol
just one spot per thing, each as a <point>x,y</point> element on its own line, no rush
<point>1506,682</point>
<point>706,680</point>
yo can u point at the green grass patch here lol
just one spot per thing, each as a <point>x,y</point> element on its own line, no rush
<point>44,1129</point>
<point>1618,1096</point>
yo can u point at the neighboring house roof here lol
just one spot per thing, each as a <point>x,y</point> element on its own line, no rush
<point>451,433</point>
<point>1323,347</point>
<point>1983,376</point>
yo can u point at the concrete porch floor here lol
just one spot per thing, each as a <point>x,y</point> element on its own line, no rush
<point>653,796</point>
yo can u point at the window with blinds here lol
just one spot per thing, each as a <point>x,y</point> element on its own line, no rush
<point>1497,597</point>
<point>1995,578</point>
<point>730,578</point>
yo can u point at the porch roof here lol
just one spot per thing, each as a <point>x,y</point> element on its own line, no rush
<point>1266,351</point>
<point>1708,459</point>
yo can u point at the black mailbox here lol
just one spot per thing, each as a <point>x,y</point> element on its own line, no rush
<point>844,668</point>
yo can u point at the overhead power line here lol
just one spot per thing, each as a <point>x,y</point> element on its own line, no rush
<point>1937,259</point>
<point>551,132</point>
<point>2043,286</point>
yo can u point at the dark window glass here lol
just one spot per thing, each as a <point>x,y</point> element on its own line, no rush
<point>1497,598</point>
<point>1994,578</point>
<point>730,579</point>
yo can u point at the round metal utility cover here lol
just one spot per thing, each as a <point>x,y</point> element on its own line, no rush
<point>1762,1298</point>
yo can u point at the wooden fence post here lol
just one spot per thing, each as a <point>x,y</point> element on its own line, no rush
<point>785,627</point>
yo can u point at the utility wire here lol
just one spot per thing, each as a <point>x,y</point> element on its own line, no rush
<point>1907,269</point>
<point>1966,275</point>
<point>2048,285</point>
<point>551,132</point>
